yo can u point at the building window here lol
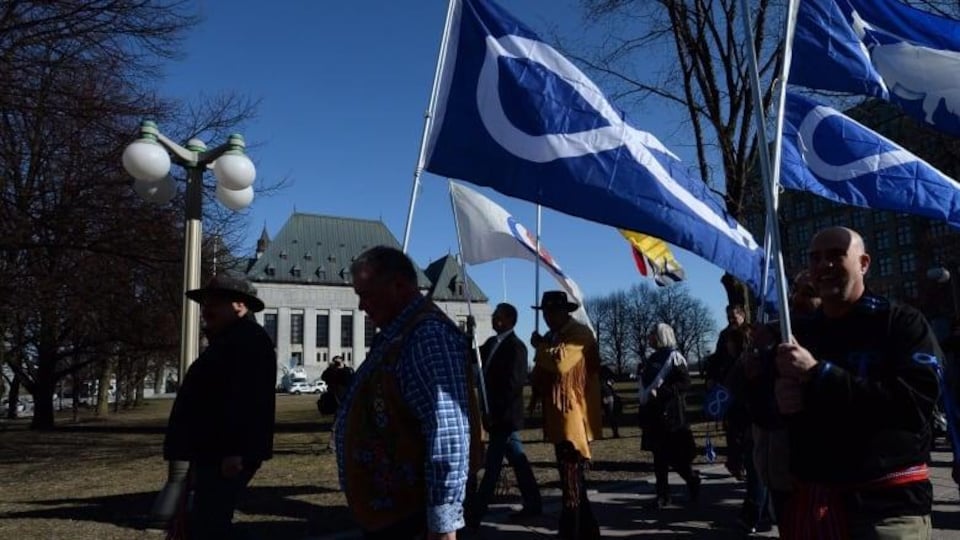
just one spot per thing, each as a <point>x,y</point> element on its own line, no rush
<point>348,358</point>
<point>323,330</point>
<point>369,330</point>
<point>346,330</point>
<point>938,229</point>
<point>858,222</point>
<point>322,357</point>
<point>296,328</point>
<point>904,234</point>
<point>270,270</point>
<point>296,359</point>
<point>295,271</point>
<point>908,263</point>
<point>270,325</point>
<point>881,239</point>
<point>910,290</point>
<point>885,265</point>
<point>462,323</point>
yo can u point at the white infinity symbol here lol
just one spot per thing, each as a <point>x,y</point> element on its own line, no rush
<point>874,163</point>
<point>549,147</point>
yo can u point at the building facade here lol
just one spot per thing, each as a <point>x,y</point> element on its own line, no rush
<point>312,313</point>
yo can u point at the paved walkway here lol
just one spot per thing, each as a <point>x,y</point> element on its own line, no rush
<point>618,509</point>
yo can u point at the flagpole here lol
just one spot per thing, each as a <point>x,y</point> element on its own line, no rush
<point>536,275</point>
<point>771,172</point>
<point>428,121</point>
<point>471,321</point>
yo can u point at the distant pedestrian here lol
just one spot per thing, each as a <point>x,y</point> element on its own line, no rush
<point>663,384</point>
<point>612,404</point>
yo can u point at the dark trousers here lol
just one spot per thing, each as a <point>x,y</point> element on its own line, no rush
<point>507,445</point>
<point>411,528</point>
<point>215,499</point>
<point>663,460</point>
<point>577,521</point>
<point>611,412</point>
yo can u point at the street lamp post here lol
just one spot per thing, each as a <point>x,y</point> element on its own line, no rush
<point>148,160</point>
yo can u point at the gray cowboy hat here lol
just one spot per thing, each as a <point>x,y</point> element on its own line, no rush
<point>238,288</point>
<point>558,300</point>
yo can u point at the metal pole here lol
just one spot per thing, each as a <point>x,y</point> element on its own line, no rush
<point>428,119</point>
<point>772,171</point>
<point>471,322</point>
<point>536,274</point>
<point>190,328</point>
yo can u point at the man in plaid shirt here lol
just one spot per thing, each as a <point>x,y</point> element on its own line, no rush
<point>403,432</point>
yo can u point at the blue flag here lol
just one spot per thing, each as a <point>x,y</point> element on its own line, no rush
<point>829,154</point>
<point>515,115</point>
<point>884,49</point>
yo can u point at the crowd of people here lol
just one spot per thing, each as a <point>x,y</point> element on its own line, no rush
<point>830,429</point>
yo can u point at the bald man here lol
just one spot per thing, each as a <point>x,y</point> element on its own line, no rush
<point>857,388</point>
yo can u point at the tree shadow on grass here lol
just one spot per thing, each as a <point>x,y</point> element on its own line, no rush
<point>131,510</point>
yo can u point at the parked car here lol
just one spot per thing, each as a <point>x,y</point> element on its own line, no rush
<point>304,387</point>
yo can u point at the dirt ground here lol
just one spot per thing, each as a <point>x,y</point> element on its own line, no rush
<point>96,478</point>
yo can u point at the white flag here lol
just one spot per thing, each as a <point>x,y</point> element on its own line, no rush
<point>489,233</point>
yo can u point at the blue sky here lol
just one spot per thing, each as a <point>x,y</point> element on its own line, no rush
<point>344,86</point>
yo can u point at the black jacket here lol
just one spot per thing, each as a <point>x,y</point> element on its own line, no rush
<point>225,406</point>
<point>870,412</point>
<point>504,378</point>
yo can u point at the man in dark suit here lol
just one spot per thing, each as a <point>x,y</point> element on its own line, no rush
<point>505,372</point>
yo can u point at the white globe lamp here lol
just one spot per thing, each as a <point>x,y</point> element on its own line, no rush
<point>144,159</point>
<point>234,170</point>
<point>235,199</point>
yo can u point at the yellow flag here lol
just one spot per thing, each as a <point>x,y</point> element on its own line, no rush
<point>654,258</point>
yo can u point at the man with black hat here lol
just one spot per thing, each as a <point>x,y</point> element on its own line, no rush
<point>566,377</point>
<point>223,418</point>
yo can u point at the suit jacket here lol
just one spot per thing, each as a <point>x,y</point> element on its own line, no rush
<point>504,377</point>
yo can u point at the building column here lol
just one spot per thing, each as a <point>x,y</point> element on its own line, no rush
<point>283,337</point>
<point>359,350</point>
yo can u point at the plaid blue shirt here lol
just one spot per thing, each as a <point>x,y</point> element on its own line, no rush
<point>432,376</point>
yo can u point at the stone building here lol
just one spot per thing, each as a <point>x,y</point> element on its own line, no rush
<point>312,313</point>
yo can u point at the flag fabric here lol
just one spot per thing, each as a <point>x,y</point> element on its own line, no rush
<point>885,49</point>
<point>654,258</point>
<point>488,232</point>
<point>515,115</point>
<point>829,154</point>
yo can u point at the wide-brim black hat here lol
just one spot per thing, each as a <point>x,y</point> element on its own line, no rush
<point>237,288</point>
<point>556,300</point>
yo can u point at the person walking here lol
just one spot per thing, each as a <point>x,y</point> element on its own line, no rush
<point>403,430</point>
<point>663,384</point>
<point>565,378</point>
<point>505,370</point>
<point>857,385</point>
<point>222,420</point>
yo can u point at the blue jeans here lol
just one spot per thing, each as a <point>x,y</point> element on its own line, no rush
<point>507,445</point>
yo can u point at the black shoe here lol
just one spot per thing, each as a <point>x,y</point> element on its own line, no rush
<point>693,488</point>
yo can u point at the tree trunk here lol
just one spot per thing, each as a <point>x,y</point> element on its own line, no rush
<point>158,380</point>
<point>118,392</point>
<point>103,388</point>
<point>42,406</point>
<point>77,385</point>
<point>139,380</point>
<point>14,396</point>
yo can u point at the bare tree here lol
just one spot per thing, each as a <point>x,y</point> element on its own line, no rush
<point>89,273</point>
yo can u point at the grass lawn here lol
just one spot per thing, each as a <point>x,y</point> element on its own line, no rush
<point>97,477</point>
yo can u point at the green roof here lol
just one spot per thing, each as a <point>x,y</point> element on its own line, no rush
<point>318,250</point>
<point>445,275</point>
